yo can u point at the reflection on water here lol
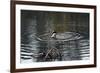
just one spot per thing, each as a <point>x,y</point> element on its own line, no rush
<point>50,49</point>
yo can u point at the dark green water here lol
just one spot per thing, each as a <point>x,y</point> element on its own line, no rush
<point>38,46</point>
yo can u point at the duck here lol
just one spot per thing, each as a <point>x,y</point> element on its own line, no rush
<point>66,36</point>
<point>58,36</point>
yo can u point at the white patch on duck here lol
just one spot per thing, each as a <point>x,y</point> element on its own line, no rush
<point>53,35</point>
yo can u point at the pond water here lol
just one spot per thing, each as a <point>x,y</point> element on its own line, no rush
<point>42,49</point>
<point>71,42</point>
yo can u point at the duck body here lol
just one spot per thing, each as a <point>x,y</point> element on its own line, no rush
<point>68,36</point>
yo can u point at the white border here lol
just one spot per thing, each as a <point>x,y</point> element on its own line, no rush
<point>59,9</point>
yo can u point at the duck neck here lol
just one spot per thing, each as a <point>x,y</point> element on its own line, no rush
<point>53,35</point>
